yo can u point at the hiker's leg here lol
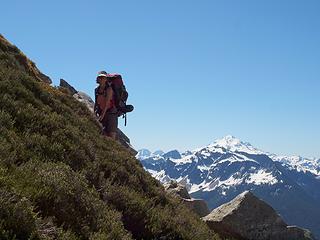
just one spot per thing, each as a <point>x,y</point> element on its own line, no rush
<point>112,125</point>
<point>112,135</point>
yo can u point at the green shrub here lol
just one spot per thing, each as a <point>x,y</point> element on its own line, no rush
<point>18,219</point>
<point>65,195</point>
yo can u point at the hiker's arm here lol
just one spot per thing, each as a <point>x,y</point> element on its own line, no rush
<point>108,100</point>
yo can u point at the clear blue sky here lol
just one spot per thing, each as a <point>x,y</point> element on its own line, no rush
<point>195,70</point>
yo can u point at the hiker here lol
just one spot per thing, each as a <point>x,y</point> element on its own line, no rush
<point>105,107</point>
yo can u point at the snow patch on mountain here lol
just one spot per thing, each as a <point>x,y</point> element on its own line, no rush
<point>161,176</point>
<point>225,184</point>
<point>237,158</point>
<point>262,177</point>
<point>185,159</point>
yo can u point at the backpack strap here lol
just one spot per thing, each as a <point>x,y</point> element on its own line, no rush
<point>104,92</point>
<point>97,108</point>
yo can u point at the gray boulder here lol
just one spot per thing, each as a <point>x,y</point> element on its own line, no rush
<point>198,206</point>
<point>177,189</point>
<point>248,217</point>
<point>85,99</point>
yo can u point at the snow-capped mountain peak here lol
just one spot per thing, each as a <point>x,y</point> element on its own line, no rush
<point>143,153</point>
<point>234,144</point>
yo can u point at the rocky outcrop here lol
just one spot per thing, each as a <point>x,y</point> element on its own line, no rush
<point>87,100</point>
<point>65,84</point>
<point>80,96</point>
<point>22,61</point>
<point>248,217</point>
<point>198,206</point>
<point>177,189</point>
<point>125,141</point>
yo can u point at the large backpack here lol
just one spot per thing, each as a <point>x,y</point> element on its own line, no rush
<point>121,94</point>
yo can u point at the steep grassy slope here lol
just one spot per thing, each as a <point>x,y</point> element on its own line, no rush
<point>59,179</point>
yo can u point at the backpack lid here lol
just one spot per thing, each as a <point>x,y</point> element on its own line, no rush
<point>113,75</point>
<point>116,79</point>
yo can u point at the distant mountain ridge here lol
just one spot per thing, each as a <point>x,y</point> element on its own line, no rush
<point>222,170</point>
<point>230,142</point>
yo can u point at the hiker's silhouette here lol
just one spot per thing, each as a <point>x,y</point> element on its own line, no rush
<point>110,102</point>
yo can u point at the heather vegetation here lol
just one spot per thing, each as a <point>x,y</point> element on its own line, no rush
<point>60,179</point>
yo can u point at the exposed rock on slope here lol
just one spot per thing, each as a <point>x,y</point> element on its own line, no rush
<point>177,189</point>
<point>248,217</point>
<point>85,99</point>
<point>198,206</point>
<point>65,84</point>
<point>80,96</point>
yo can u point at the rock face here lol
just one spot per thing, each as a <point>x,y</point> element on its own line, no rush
<point>125,141</point>
<point>87,100</point>
<point>177,189</point>
<point>198,206</point>
<point>65,84</point>
<point>247,217</point>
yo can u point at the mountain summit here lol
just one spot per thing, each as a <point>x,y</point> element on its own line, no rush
<point>234,144</point>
